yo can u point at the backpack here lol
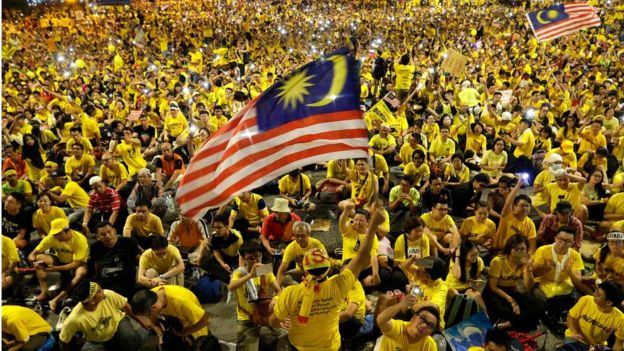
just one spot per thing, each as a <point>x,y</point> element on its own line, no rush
<point>459,309</point>
<point>207,290</point>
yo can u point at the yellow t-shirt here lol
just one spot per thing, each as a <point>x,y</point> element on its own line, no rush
<point>462,175</point>
<point>362,187</point>
<point>528,139</point>
<point>351,241</point>
<point>151,225</point>
<point>76,249</point>
<point>378,142</point>
<point>175,124</point>
<point>290,188</point>
<point>113,177</point>
<point>396,339</point>
<point>9,253</point>
<point>510,225</point>
<point>244,309</point>
<point>476,143</point>
<point>406,151</point>
<point>43,221</point>
<point>420,173</point>
<point>22,322</point>
<point>438,228</point>
<point>615,204</point>
<point>473,230</point>
<point>417,247</point>
<point>334,169</point>
<point>507,273</point>
<point>595,325</point>
<point>596,141</point>
<point>214,123</point>
<point>295,252</point>
<point>99,325</point>
<point>235,240</point>
<point>556,194</point>
<point>131,154</point>
<point>356,295</point>
<point>435,293</point>
<point>76,196</point>
<point>439,148</point>
<point>544,178</point>
<point>324,313</point>
<point>456,283</point>
<point>90,128</point>
<point>88,148</point>
<point>79,166</point>
<point>183,305</point>
<point>160,263</point>
<point>613,267</point>
<point>254,210</point>
<point>546,281</point>
<point>490,158</point>
<point>404,74</point>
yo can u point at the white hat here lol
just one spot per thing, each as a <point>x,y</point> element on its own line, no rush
<point>506,116</point>
<point>466,83</point>
<point>555,157</point>
<point>94,179</point>
<point>280,205</point>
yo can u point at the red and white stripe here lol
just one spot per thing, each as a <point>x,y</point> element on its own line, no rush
<point>581,16</point>
<point>238,157</point>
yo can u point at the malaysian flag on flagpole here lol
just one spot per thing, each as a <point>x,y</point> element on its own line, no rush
<point>313,115</point>
<point>562,19</point>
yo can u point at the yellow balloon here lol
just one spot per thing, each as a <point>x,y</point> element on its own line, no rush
<point>473,32</point>
<point>80,63</point>
<point>111,48</point>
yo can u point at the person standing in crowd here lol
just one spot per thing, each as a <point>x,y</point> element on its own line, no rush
<point>296,304</point>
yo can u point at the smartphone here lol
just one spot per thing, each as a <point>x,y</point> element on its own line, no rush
<point>424,262</point>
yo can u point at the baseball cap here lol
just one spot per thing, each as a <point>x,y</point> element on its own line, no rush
<point>567,146</point>
<point>58,225</point>
<point>506,116</point>
<point>174,105</point>
<point>94,179</point>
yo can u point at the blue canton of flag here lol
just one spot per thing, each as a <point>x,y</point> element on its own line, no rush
<point>328,85</point>
<point>547,16</point>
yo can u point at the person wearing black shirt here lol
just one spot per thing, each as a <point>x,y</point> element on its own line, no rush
<point>147,136</point>
<point>466,195</point>
<point>435,193</point>
<point>17,223</point>
<point>113,260</point>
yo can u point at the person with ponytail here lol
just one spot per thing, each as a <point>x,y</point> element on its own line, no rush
<point>464,272</point>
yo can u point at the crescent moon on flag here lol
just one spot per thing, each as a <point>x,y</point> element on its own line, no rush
<point>338,82</point>
<point>550,14</point>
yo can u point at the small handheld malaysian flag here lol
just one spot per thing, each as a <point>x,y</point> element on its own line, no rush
<point>562,19</point>
<point>312,115</point>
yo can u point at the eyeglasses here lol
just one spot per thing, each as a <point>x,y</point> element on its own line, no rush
<point>565,241</point>
<point>430,325</point>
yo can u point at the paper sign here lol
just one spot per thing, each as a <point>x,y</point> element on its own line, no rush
<point>506,96</point>
<point>455,63</point>
<point>134,115</point>
<point>264,269</point>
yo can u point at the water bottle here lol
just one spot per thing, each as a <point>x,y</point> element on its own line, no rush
<point>440,342</point>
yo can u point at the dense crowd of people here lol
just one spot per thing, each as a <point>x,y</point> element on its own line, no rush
<point>482,185</point>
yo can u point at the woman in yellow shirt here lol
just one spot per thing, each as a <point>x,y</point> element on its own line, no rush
<point>494,161</point>
<point>456,173</point>
<point>475,140</point>
<point>464,272</point>
<point>479,228</point>
<point>610,259</point>
<point>504,301</point>
<point>34,156</point>
<point>569,131</point>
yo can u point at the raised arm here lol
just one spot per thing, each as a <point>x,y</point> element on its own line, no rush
<point>361,260</point>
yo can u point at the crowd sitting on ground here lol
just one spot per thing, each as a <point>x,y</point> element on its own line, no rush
<point>483,186</point>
